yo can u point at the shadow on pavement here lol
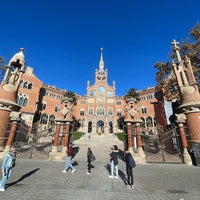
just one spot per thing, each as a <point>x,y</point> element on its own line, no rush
<point>22,177</point>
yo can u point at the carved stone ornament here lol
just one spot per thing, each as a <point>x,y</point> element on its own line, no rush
<point>15,115</point>
<point>180,117</point>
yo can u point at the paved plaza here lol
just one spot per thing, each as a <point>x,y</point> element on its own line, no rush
<point>42,179</point>
<point>35,179</point>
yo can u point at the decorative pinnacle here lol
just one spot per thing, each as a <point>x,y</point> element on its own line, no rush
<point>175,45</point>
<point>22,49</point>
<point>176,50</point>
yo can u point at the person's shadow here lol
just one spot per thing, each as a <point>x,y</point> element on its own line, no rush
<point>22,178</point>
<point>120,173</point>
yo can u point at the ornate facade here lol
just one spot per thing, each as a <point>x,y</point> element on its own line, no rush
<point>99,111</point>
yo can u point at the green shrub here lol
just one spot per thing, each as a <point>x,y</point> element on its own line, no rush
<point>120,136</point>
<point>77,135</point>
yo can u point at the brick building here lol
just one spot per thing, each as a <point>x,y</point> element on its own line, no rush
<point>99,111</point>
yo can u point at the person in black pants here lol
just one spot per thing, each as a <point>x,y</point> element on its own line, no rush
<point>129,171</point>
<point>89,160</point>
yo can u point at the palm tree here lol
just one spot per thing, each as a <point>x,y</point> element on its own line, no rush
<point>71,96</point>
<point>132,94</point>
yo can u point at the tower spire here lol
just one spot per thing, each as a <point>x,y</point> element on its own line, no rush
<point>101,63</point>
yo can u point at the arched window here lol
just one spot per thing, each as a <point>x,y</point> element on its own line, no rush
<point>144,110</point>
<point>143,122</point>
<point>56,108</point>
<point>149,122</point>
<point>43,105</point>
<point>44,119</point>
<point>90,111</point>
<point>82,112</point>
<point>100,111</point>
<point>25,84</point>
<point>110,111</point>
<point>52,120</point>
<point>21,83</point>
<point>101,89</point>
<point>30,86</point>
<point>92,93</point>
<point>119,113</point>
<point>22,100</point>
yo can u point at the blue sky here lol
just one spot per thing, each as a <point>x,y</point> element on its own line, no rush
<point>62,38</point>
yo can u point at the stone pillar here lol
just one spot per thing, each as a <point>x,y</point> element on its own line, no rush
<point>190,98</point>
<point>11,136</point>
<point>129,135</point>
<point>4,121</point>
<point>139,140</point>
<point>65,141</point>
<point>8,92</point>
<point>186,157</point>
<point>193,124</point>
<point>56,137</point>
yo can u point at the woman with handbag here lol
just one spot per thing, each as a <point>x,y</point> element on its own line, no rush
<point>90,158</point>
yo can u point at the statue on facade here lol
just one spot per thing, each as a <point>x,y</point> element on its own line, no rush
<point>130,108</point>
<point>66,108</point>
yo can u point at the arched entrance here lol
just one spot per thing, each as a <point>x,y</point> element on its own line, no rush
<point>110,127</point>
<point>89,127</point>
<point>100,126</point>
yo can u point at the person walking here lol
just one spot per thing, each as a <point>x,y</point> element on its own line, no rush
<point>68,160</point>
<point>129,170</point>
<point>6,168</point>
<point>90,158</point>
<point>114,162</point>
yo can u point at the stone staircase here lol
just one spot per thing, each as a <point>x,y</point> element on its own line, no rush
<point>99,144</point>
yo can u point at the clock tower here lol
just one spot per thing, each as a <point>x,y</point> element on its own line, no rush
<point>100,108</point>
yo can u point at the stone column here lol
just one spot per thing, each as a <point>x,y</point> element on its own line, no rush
<point>139,139</point>
<point>11,136</point>
<point>56,137</point>
<point>129,135</point>
<point>186,157</point>
<point>65,141</point>
<point>190,97</point>
<point>4,119</point>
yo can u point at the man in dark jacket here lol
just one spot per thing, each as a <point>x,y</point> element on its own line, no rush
<point>129,171</point>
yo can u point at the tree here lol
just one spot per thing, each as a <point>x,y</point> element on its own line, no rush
<point>132,93</point>
<point>2,68</point>
<point>165,78</point>
<point>72,96</point>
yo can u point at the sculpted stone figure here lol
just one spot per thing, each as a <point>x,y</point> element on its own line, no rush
<point>66,109</point>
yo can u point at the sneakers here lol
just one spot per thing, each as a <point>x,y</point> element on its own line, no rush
<point>64,171</point>
<point>73,171</point>
<point>2,189</point>
<point>132,186</point>
<point>129,186</point>
<point>116,177</point>
<point>88,173</point>
<point>110,176</point>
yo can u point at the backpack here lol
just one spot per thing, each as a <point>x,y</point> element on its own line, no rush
<point>92,158</point>
<point>131,161</point>
<point>13,163</point>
